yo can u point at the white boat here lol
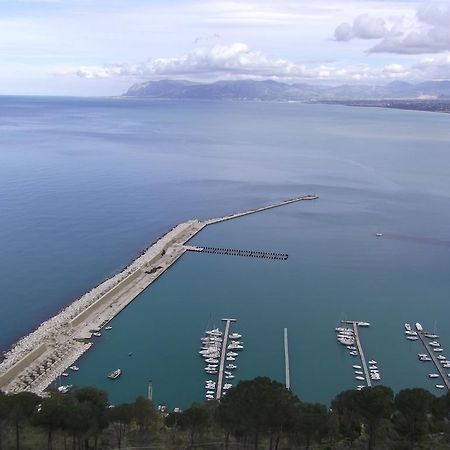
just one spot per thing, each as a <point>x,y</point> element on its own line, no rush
<point>351,347</point>
<point>97,334</point>
<point>446,365</point>
<point>227,386</point>
<point>115,374</point>
<point>235,347</point>
<point>235,336</point>
<point>229,377</point>
<point>412,338</point>
<point>438,349</point>
<point>411,333</point>
<point>433,375</point>
<point>434,344</point>
<point>209,397</point>
<point>431,336</point>
<point>373,367</point>
<point>358,377</point>
<point>363,324</point>
<point>440,386</point>
<point>425,358</point>
<point>359,372</point>
<point>422,354</point>
<point>346,341</point>
<point>74,368</point>
<point>441,357</point>
<point>419,327</point>
<point>357,367</point>
<point>407,327</point>
<point>230,366</point>
<point>345,330</point>
<point>213,332</point>
<point>212,361</point>
<point>210,392</point>
<point>231,358</point>
<point>372,361</point>
<point>232,354</point>
<point>109,327</point>
<point>353,353</point>
<point>65,388</point>
<point>379,234</point>
<point>361,386</point>
<point>64,374</point>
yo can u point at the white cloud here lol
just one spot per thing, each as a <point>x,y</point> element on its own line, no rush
<point>239,61</point>
<point>364,27</point>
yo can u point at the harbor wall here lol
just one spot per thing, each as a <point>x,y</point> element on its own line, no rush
<point>104,299</point>
<point>21,365</point>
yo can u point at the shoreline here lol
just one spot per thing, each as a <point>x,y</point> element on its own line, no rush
<point>39,358</point>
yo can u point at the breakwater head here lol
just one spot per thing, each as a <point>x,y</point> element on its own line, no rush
<point>39,358</point>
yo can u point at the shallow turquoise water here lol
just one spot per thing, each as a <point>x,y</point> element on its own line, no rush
<point>86,184</point>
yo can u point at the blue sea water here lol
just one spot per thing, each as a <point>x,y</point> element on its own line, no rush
<point>86,184</point>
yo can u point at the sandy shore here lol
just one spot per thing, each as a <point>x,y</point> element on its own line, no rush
<point>37,359</point>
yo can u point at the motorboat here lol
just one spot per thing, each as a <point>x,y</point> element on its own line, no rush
<point>379,234</point>
<point>412,338</point>
<point>109,327</point>
<point>74,368</point>
<point>209,397</point>
<point>97,334</point>
<point>227,386</point>
<point>433,375</point>
<point>407,327</point>
<point>419,327</point>
<point>359,372</point>
<point>363,324</point>
<point>229,377</point>
<point>64,374</point>
<point>341,329</point>
<point>431,336</point>
<point>357,367</point>
<point>411,333</point>
<point>212,361</point>
<point>359,377</point>
<point>213,332</point>
<point>372,361</point>
<point>230,366</point>
<point>65,388</point>
<point>373,367</point>
<point>422,354</point>
<point>425,358</point>
<point>434,344</point>
<point>232,354</point>
<point>438,349</point>
<point>440,386</point>
<point>231,358</point>
<point>441,357</point>
<point>235,336</point>
<point>210,392</point>
<point>235,347</point>
<point>351,347</point>
<point>115,374</point>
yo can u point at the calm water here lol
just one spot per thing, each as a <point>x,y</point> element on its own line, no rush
<point>86,184</point>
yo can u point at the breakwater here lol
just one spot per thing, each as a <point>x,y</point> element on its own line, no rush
<point>39,358</point>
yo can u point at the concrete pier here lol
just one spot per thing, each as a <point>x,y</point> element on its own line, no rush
<point>237,252</point>
<point>286,360</point>
<point>39,358</point>
<point>223,355</point>
<point>439,368</point>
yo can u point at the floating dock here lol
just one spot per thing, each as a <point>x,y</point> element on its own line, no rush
<point>354,324</point>
<point>237,252</point>
<point>440,369</point>
<point>223,355</point>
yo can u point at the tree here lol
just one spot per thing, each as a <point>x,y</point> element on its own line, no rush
<point>345,405</point>
<point>194,420</point>
<point>413,407</point>
<point>50,416</point>
<point>255,407</point>
<point>144,413</point>
<point>121,417</point>
<point>4,412</point>
<point>21,408</point>
<point>375,404</point>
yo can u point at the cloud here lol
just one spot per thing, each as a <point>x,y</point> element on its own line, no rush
<point>364,27</point>
<point>429,32</point>
<point>238,61</point>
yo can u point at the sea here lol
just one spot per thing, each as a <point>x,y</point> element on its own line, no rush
<point>87,183</point>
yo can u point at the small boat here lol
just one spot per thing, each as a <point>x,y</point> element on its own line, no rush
<point>411,333</point>
<point>235,336</point>
<point>379,234</point>
<point>359,372</point>
<point>212,360</point>
<point>358,377</point>
<point>65,388</point>
<point>361,386</point>
<point>440,386</point>
<point>228,377</point>
<point>231,358</point>
<point>235,347</point>
<point>446,365</point>
<point>227,386</point>
<point>209,397</point>
<point>210,392</point>
<point>64,374</point>
<point>357,367</point>
<point>431,336</point>
<point>407,327</point>
<point>438,349</point>
<point>433,375</point>
<point>232,354</point>
<point>109,327</point>
<point>363,324</point>
<point>434,344</point>
<point>425,358</point>
<point>372,361</point>
<point>74,368</point>
<point>419,327</point>
<point>373,367</point>
<point>354,353</point>
<point>351,347</point>
<point>412,338</point>
<point>115,374</point>
<point>230,366</point>
<point>441,357</point>
<point>97,334</point>
<point>422,354</point>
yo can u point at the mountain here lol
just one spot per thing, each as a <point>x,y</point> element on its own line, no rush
<point>276,91</point>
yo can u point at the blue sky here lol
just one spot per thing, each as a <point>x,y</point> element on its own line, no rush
<point>98,47</point>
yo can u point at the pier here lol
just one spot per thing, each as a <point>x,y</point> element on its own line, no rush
<point>439,368</point>
<point>286,360</point>
<point>40,357</point>
<point>223,355</point>
<point>237,252</point>
<point>360,350</point>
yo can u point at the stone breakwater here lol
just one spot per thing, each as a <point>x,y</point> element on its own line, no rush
<point>37,359</point>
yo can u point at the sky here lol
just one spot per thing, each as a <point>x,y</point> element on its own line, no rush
<point>101,47</point>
